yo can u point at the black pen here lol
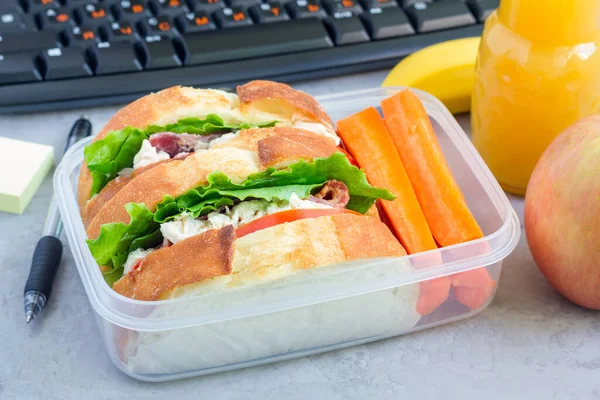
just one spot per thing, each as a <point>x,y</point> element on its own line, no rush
<point>48,252</point>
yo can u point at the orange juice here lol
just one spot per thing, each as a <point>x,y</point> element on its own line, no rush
<point>538,71</point>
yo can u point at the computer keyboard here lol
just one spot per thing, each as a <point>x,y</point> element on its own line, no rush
<point>57,54</point>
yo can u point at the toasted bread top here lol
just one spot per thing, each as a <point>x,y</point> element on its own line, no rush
<point>278,98</point>
<point>290,145</point>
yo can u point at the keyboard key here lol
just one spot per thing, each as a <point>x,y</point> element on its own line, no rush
<point>208,6</point>
<point>387,22</point>
<point>162,25</point>
<point>271,12</point>
<point>368,4</point>
<point>160,53</point>
<point>79,37</point>
<point>64,63</point>
<point>35,6</point>
<point>408,3</point>
<point>267,40</point>
<point>18,68</point>
<point>131,10</point>
<point>93,15</point>
<point>120,31</point>
<point>172,8</point>
<point>13,21</point>
<point>55,19</point>
<point>306,9</point>
<point>342,8</point>
<point>24,41</point>
<point>348,30</point>
<point>483,8</point>
<point>428,17</point>
<point>197,21</point>
<point>244,3</point>
<point>75,3</point>
<point>232,17</point>
<point>113,58</point>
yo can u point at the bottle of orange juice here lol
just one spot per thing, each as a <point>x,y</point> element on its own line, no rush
<point>538,71</point>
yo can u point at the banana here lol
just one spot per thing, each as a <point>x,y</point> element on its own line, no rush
<point>446,70</point>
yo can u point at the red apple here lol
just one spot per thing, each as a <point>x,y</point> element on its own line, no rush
<point>562,213</point>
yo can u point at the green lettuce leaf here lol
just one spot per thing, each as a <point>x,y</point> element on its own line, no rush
<point>199,203</point>
<point>148,241</point>
<point>118,260</point>
<point>169,211</point>
<point>211,124</point>
<point>106,157</point>
<point>117,238</point>
<point>112,276</point>
<point>302,178</point>
<point>207,206</point>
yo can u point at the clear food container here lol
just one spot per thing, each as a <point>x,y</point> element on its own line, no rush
<point>314,311</point>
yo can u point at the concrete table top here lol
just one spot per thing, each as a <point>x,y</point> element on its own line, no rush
<point>529,344</point>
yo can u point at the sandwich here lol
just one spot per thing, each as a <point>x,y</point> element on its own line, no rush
<point>173,123</point>
<point>189,190</point>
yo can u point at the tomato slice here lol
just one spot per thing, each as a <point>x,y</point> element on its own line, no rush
<point>286,216</point>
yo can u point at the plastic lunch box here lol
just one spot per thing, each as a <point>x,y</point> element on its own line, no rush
<point>315,311</point>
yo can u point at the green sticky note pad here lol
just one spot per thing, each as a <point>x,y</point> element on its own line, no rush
<point>23,167</point>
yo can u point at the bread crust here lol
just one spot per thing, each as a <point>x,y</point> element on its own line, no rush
<point>258,91</point>
<point>113,187</point>
<point>264,255</point>
<point>198,258</point>
<point>366,237</point>
<point>276,147</point>
<point>291,145</point>
<point>141,190</point>
<point>171,104</point>
<point>95,204</point>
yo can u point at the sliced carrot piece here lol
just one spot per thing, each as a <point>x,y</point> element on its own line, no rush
<point>473,297</point>
<point>443,204</point>
<point>473,288</point>
<point>367,139</point>
<point>432,294</point>
<point>478,277</point>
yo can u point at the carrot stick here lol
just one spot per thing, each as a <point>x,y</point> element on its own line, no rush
<point>367,139</point>
<point>442,202</point>
<point>432,293</point>
<point>473,288</point>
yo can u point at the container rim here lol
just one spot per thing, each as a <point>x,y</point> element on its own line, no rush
<point>101,295</point>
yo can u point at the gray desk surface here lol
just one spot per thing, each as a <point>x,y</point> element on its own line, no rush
<point>530,342</point>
